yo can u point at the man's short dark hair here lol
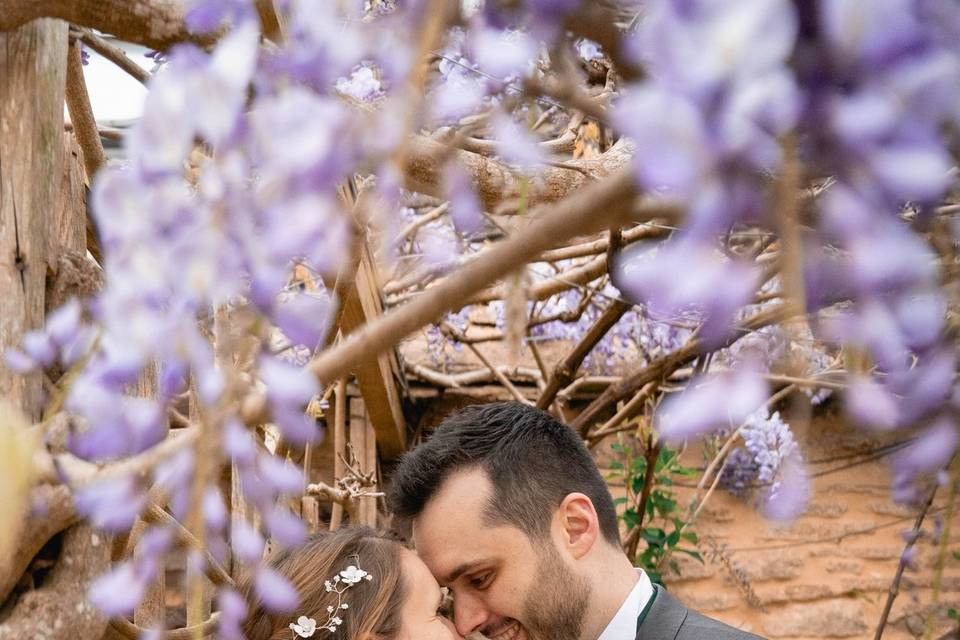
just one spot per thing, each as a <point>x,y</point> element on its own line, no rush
<point>533,461</point>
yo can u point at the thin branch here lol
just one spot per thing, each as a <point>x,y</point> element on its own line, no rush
<point>895,585</point>
<point>489,365</point>
<point>130,631</point>
<point>665,365</point>
<point>81,113</point>
<point>564,371</point>
<point>629,410</point>
<point>114,54</point>
<point>157,24</point>
<point>426,218</point>
<point>216,573</point>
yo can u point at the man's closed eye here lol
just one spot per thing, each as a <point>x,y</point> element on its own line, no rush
<point>481,581</point>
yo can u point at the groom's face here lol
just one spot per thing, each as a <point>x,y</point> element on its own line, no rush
<point>505,585</point>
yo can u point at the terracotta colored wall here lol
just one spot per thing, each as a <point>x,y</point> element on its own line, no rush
<point>827,575</point>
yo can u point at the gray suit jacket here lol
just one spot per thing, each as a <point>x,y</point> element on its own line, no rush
<point>668,619</point>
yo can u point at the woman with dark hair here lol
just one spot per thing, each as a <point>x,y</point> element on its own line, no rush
<point>354,584</point>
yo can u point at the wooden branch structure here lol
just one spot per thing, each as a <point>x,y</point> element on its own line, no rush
<point>157,24</point>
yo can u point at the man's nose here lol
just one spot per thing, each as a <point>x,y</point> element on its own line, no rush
<point>469,614</point>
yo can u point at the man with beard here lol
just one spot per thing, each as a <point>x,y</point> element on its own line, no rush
<point>510,512</point>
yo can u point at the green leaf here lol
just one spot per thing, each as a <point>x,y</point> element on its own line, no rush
<point>956,555</point>
<point>690,552</point>
<point>631,518</point>
<point>690,536</point>
<point>616,466</point>
<point>619,501</point>
<point>953,613</point>
<point>673,538</point>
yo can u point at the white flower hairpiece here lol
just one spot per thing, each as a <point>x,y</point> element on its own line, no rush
<point>305,627</point>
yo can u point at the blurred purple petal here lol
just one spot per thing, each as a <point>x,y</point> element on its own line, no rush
<point>930,452</point>
<point>296,427</point>
<point>38,346</point>
<point>113,504</point>
<point>233,611</point>
<point>789,496</point>
<point>18,361</point>
<point>237,443</point>
<point>246,543</point>
<point>63,324</point>
<point>287,385</point>
<point>118,592</point>
<point>465,208</point>
<point>275,592</point>
<point>282,476</point>
<point>515,144</point>
<point>711,403</point>
<point>870,404</point>
<point>503,54</point>
<point>305,318</point>
<point>214,510</point>
<point>672,149</point>
<point>285,527</point>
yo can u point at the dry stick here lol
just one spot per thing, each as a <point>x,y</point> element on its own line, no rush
<point>426,218</point>
<point>473,376</point>
<point>114,54</point>
<point>216,573</point>
<point>639,232</point>
<point>628,411</point>
<point>504,380</point>
<point>81,113</point>
<point>128,630</point>
<point>581,274</point>
<point>895,585</point>
<point>582,213</point>
<point>564,371</point>
<point>269,21</point>
<point>156,24</point>
<point>954,480</point>
<point>651,454</point>
<point>665,365</point>
<point>339,446</point>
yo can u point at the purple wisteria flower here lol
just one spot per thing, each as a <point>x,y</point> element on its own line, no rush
<point>711,403</point>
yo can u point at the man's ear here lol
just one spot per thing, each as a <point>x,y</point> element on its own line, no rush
<point>581,527</point>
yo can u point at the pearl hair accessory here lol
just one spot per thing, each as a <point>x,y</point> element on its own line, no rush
<point>305,627</point>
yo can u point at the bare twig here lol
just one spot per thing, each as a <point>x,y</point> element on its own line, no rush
<point>895,585</point>
<point>563,373</point>
<point>81,113</point>
<point>665,365</point>
<point>114,54</point>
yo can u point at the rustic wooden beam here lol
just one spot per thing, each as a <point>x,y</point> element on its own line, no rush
<point>32,79</point>
<point>378,376</point>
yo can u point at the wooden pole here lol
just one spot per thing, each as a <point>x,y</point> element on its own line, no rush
<point>32,78</point>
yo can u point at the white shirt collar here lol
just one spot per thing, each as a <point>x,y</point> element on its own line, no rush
<point>624,624</point>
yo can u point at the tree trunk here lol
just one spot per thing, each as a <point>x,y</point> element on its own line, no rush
<point>32,79</point>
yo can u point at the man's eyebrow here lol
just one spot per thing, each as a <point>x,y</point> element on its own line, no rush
<point>461,569</point>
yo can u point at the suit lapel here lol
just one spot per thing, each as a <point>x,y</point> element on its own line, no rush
<point>665,618</point>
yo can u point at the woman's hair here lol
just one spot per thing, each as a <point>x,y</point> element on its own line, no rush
<point>374,605</point>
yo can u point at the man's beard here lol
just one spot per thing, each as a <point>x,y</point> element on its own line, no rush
<point>555,606</point>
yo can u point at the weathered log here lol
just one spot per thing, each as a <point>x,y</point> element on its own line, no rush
<point>59,609</point>
<point>57,514</point>
<point>157,24</point>
<point>32,73</point>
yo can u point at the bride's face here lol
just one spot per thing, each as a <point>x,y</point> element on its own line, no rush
<point>420,615</point>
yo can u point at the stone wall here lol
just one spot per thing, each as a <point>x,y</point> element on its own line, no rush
<point>827,575</point>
